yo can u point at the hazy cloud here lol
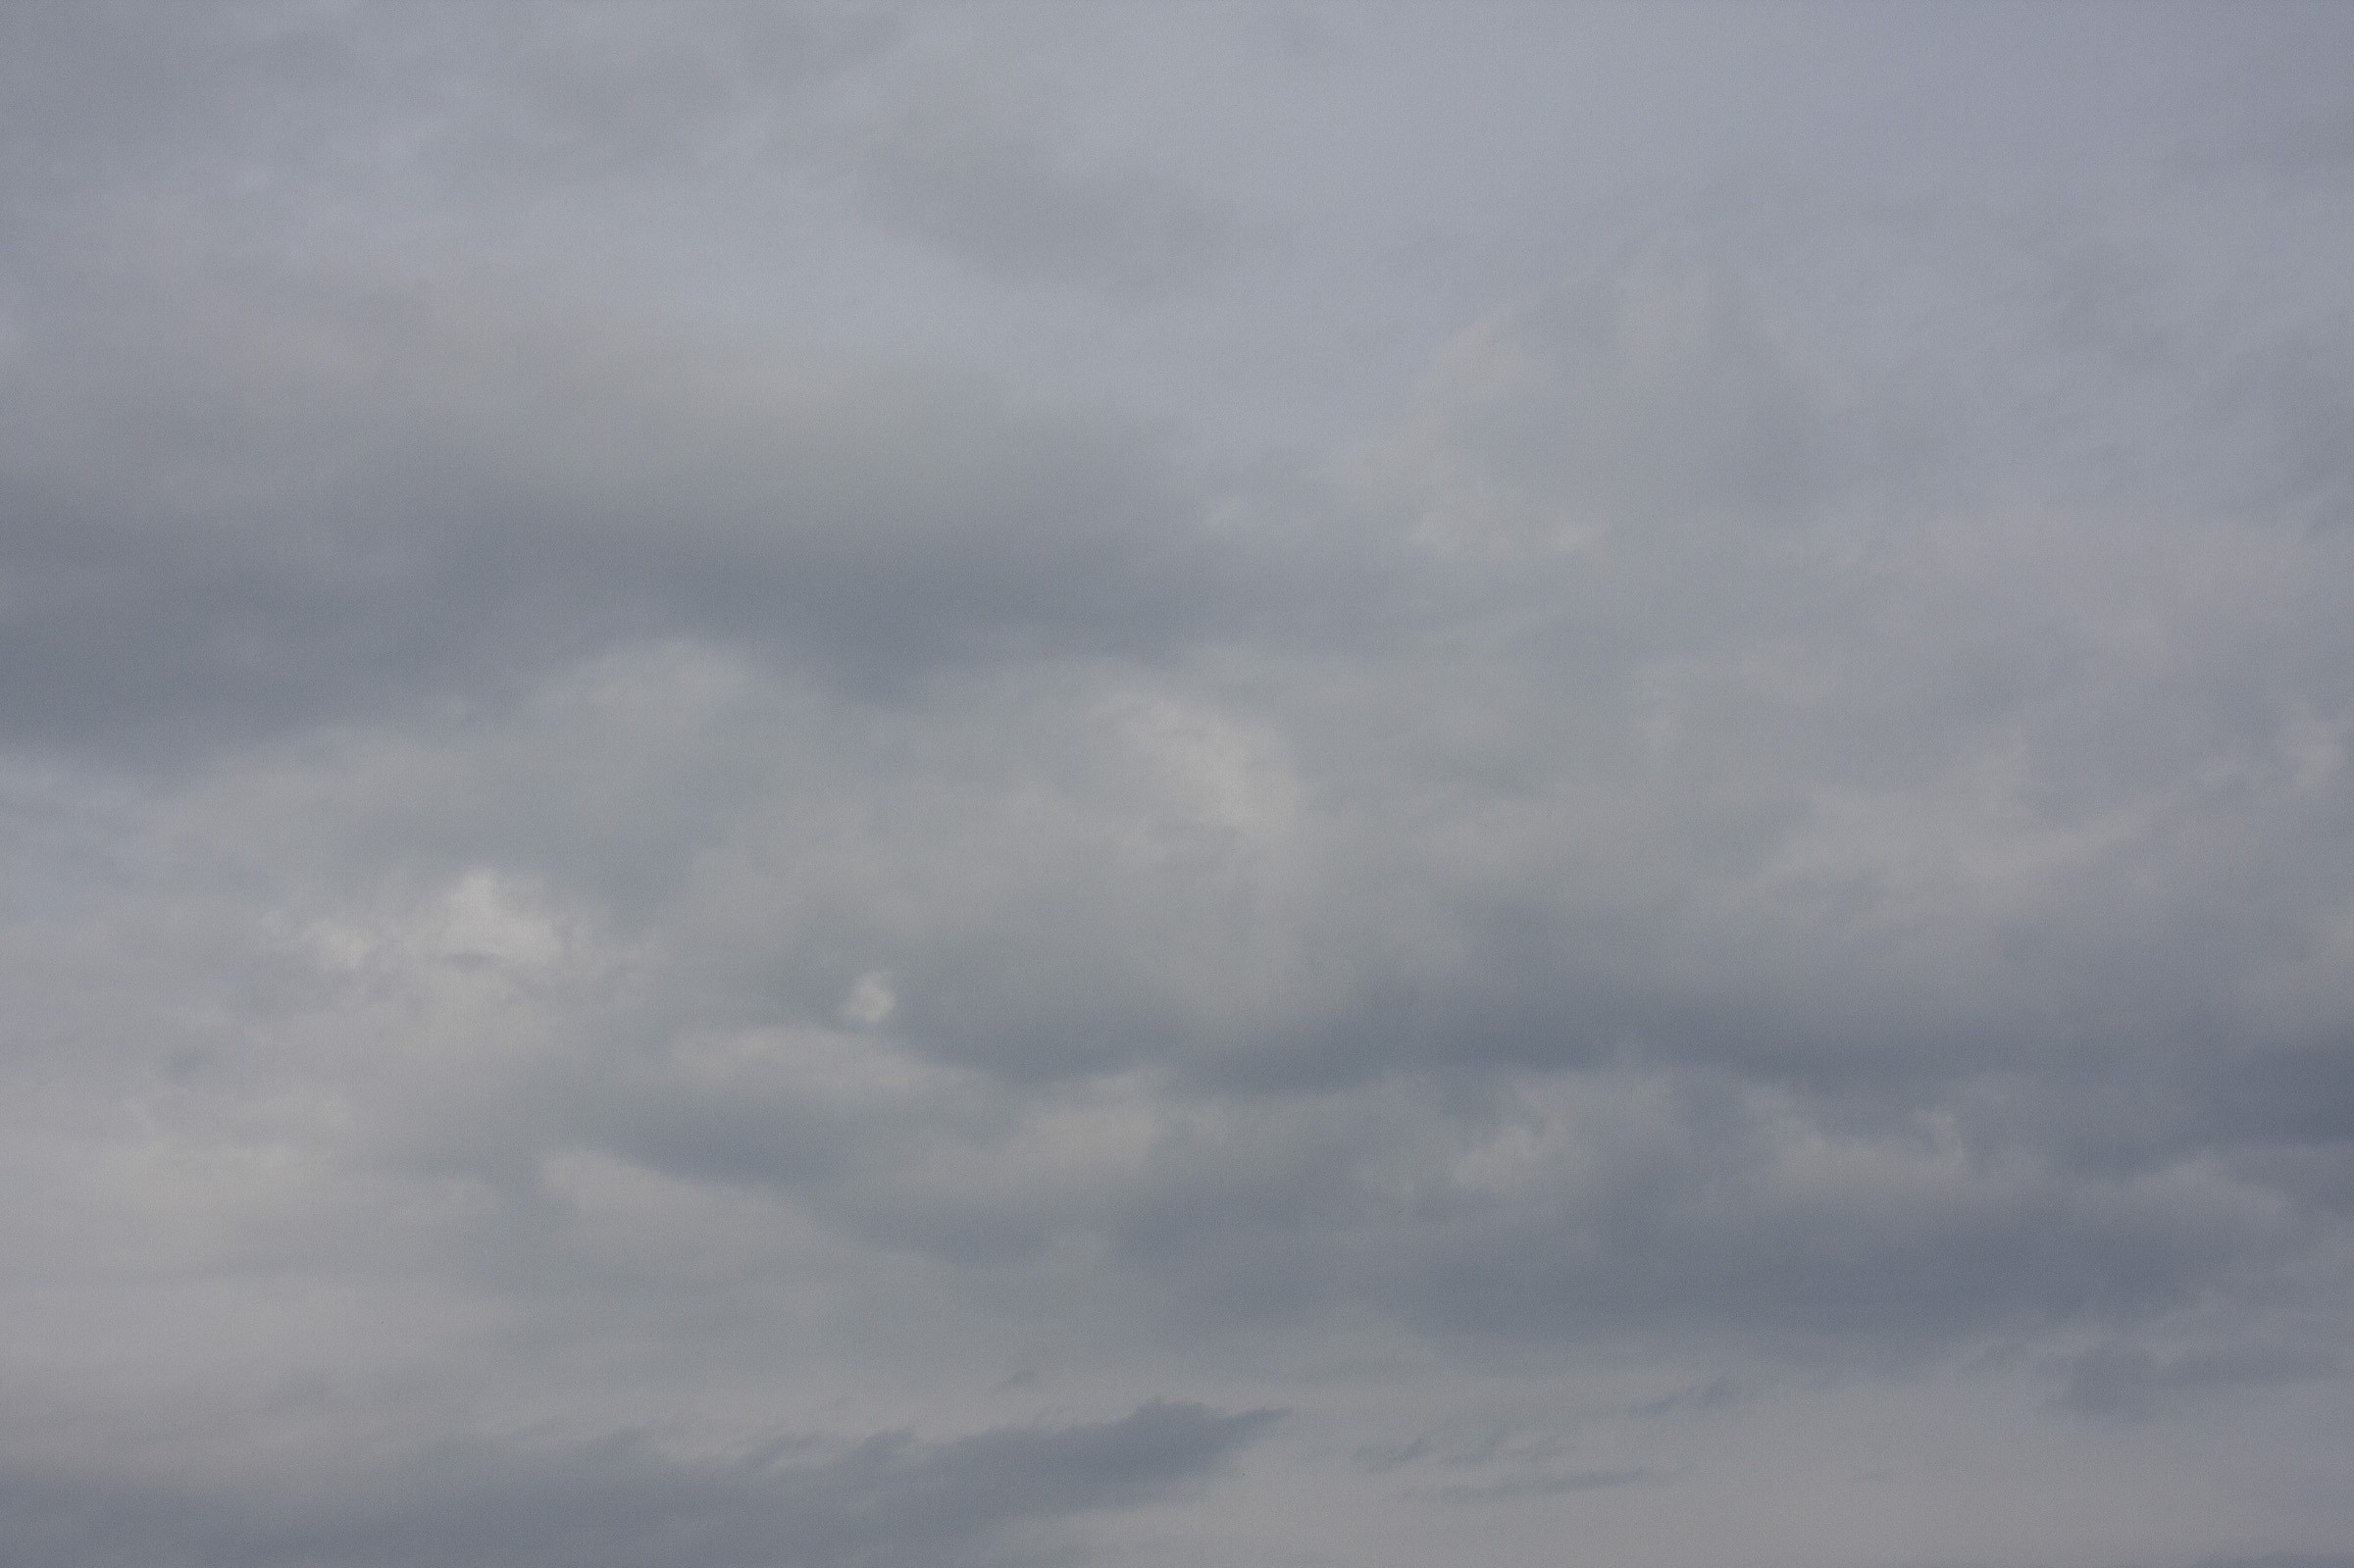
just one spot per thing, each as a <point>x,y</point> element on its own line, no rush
<point>1607,747</point>
<point>888,1500</point>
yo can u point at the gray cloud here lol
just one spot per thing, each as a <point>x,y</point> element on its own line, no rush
<point>1544,1486</point>
<point>410,495</point>
<point>1608,747</point>
<point>1012,205</point>
<point>2126,1381</point>
<point>889,1498</point>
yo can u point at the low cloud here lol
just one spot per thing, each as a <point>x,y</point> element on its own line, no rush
<point>863,719</point>
<point>2125,1382</point>
<point>997,1496</point>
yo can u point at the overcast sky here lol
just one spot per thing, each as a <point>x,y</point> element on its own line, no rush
<point>1282,783</point>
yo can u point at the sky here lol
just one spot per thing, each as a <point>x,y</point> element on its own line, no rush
<point>1297,782</point>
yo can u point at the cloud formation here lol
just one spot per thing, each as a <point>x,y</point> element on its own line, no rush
<point>619,1499</point>
<point>1619,769</point>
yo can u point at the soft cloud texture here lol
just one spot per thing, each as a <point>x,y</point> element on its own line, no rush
<point>819,783</point>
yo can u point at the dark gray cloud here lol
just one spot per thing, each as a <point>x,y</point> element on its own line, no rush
<point>2126,1381</point>
<point>412,495</point>
<point>620,1499</point>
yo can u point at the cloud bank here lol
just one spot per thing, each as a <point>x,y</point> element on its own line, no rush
<point>815,783</point>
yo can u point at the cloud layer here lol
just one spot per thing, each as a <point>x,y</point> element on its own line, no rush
<point>816,783</point>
